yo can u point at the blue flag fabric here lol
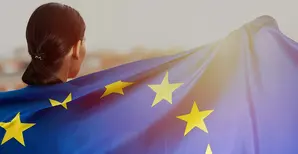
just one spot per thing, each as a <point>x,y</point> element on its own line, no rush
<point>237,95</point>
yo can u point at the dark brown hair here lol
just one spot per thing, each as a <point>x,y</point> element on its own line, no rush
<point>52,30</point>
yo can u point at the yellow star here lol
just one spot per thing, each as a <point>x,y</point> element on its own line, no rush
<point>64,103</point>
<point>164,90</point>
<point>116,87</point>
<point>14,129</point>
<point>208,150</point>
<point>195,119</point>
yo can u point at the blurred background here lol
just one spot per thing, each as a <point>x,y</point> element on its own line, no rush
<point>121,31</point>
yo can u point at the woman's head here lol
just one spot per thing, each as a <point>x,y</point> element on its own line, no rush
<point>55,40</point>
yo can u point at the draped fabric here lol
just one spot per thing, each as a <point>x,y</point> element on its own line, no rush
<point>237,95</point>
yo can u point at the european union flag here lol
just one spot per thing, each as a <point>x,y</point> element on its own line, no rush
<point>237,95</point>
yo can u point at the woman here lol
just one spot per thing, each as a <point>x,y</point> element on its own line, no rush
<point>55,39</point>
<point>103,119</point>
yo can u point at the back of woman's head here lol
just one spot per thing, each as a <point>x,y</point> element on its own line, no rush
<point>52,31</point>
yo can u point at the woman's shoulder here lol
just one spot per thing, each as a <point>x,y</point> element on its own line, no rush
<point>30,98</point>
<point>15,94</point>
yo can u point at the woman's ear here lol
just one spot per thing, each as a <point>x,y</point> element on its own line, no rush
<point>76,50</point>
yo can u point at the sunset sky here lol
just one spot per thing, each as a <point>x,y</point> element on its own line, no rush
<point>124,24</point>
